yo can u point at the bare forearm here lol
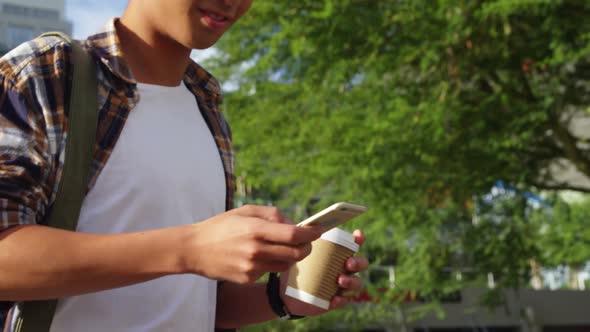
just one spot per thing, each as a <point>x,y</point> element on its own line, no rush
<point>41,263</point>
<point>242,305</point>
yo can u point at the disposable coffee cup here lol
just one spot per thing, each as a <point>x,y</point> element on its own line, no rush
<point>314,280</point>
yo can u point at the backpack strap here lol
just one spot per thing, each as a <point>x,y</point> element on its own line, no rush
<point>36,316</point>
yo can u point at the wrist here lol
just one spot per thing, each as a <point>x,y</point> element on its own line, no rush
<point>274,292</point>
<point>188,251</point>
<point>158,252</point>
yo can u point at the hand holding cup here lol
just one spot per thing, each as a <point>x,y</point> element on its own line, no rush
<point>306,294</point>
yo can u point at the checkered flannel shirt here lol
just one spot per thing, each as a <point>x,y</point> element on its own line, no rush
<point>35,83</point>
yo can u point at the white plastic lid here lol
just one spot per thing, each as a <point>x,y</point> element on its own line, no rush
<point>341,237</point>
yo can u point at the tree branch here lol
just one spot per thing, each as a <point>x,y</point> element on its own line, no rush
<point>569,146</point>
<point>561,186</point>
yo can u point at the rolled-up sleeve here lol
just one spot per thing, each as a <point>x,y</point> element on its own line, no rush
<point>25,161</point>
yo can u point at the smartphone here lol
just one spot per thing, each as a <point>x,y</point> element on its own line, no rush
<point>334,215</point>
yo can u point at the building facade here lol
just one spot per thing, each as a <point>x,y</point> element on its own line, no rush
<point>22,20</point>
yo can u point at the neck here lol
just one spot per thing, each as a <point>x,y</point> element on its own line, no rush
<point>152,57</point>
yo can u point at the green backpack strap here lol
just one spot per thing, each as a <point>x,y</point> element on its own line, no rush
<point>36,316</point>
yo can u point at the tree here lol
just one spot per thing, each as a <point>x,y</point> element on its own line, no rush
<point>413,108</point>
<point>564,236</point>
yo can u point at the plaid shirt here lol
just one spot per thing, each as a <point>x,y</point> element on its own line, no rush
<point>35,84</point>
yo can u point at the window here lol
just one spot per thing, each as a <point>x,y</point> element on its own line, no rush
<point>17,35</point>
<point>45,13</point>
<point>42,13</point>
<point>11,9</point>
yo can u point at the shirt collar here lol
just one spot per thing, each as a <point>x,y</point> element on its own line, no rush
<point>106,46</point>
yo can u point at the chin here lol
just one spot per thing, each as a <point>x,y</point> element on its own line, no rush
<point>201,46</point>
<point>201,43</point>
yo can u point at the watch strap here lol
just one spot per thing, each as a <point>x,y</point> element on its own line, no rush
<point>273,288</point>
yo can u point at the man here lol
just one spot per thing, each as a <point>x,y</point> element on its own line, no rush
<point>152,237</point>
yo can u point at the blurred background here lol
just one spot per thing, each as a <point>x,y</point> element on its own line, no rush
<point>464,126</point>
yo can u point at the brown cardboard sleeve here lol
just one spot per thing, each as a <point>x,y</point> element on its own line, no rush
<point>318,273</point>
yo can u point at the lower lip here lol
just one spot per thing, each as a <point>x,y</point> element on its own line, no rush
<point>213,23</point>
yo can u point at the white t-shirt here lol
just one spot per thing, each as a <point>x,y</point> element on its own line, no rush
<point>165,170</point>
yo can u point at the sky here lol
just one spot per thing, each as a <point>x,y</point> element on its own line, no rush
<point>88,16</point>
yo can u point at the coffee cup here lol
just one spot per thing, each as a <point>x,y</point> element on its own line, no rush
<point>314,280</point>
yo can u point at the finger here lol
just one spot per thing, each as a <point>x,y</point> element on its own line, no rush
<point>273,266</point>
<point>288,221</point>
<point>348,282</point>
<point>359,237</point>
<point>338,302</point>
<point>289,234</point>
<point>254,271</point>
<point>356,264</point>
<point>281,253</point>
<point>268,213</point>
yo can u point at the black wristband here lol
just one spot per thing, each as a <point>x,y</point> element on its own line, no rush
<point>273,289</point>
